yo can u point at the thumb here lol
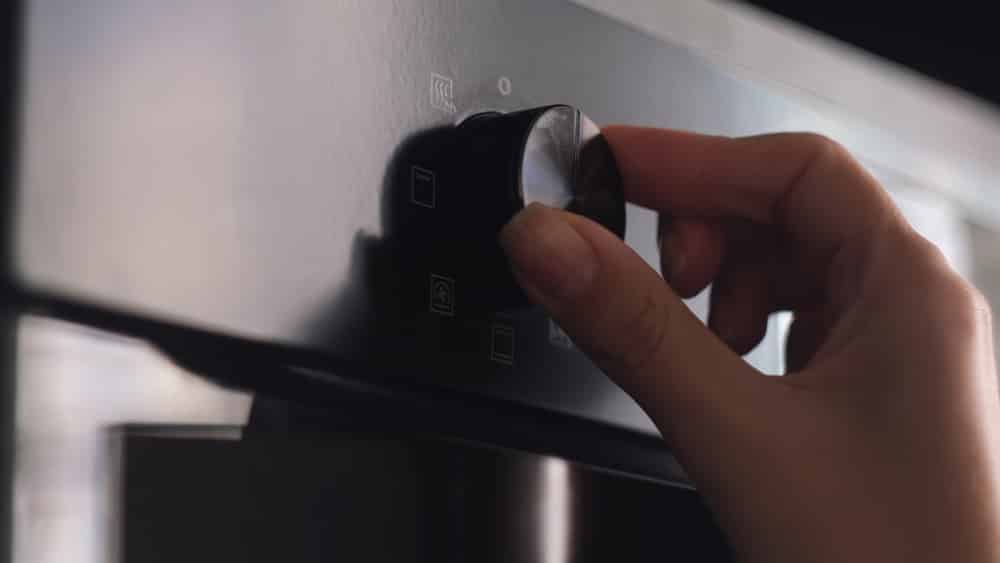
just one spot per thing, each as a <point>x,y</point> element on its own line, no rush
<point>635,328</point>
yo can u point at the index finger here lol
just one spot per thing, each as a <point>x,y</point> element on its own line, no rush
<point>805,184</point>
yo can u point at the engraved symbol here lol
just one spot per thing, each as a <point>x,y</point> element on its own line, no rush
<point>423,187</point>
<point>442,299</point>
<point>502,344</point>
<point>443,93</point>
<point>558,337</point>
<point>504,86</point>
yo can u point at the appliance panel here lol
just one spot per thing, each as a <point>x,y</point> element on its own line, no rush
<point>231,165</point>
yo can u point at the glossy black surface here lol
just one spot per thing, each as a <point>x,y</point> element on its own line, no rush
<point>452,188</point>
<point>552,155</point>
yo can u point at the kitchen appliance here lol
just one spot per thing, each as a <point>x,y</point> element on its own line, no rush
<point>230,170</point>
<point>267,193</point>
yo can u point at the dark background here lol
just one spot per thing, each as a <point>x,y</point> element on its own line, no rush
<point>953,42</point>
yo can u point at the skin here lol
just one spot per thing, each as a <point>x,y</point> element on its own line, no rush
<point>882,443</point>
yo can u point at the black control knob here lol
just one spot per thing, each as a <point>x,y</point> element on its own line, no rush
<point>554,155</point>
<point>457,186</point>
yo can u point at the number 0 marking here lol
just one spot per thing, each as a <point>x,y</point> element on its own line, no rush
<point>505,86</point>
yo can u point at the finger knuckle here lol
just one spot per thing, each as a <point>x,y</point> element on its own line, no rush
<point>823,149</point>
<point>969,298</point>
<point>927,253</point>
<point>958,308</point>
<point>947,304</point>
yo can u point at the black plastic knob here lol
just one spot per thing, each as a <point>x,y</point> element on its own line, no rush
<point>554,155</point>
<point>455,187</point>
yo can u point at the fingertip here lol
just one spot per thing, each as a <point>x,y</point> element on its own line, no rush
<point>691,254</point>
<point>740,307</point>
<point>742,336</point>
<point>548,255</point>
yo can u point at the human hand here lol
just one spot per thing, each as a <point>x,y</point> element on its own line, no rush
<point>882,443</point>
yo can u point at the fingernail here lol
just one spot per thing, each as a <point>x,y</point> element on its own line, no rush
<point>547,254</point>
<point>675,261</point>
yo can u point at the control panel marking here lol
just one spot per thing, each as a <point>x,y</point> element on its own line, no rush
<point>423,187</point>
<point>443,93</point>
<point>502,344</point>
<point>442,295</point>
<point>505,86</point>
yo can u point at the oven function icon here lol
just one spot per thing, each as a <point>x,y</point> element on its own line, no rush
<point>443,93</point>
<point>442,297</point>
<point>423,187</point>
<point>502,344</point>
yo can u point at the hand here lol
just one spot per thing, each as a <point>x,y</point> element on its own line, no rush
<point>882,443</point>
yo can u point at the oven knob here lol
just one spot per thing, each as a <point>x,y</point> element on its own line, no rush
<point>454,187</point>
<point>554,155</point>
